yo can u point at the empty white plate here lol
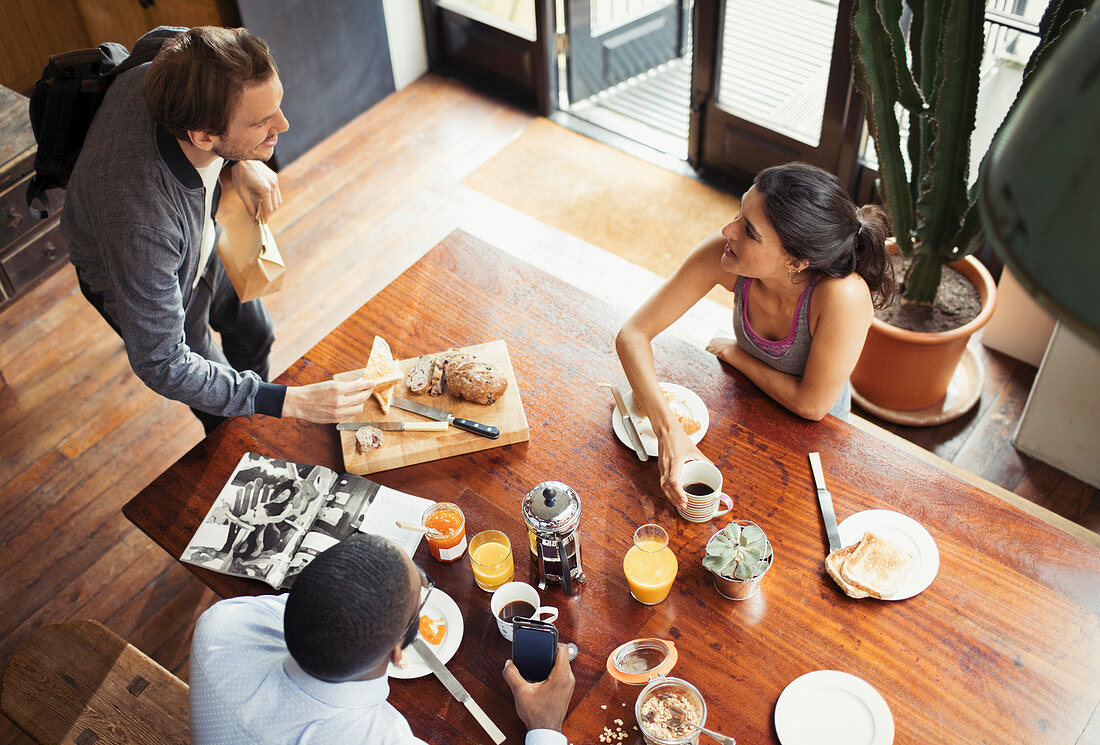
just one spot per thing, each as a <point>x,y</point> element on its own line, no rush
<point>828,707</point>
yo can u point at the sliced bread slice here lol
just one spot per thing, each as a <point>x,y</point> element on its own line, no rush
<point>381,367</point>
<point>877,566</point>
<point>833,564</point>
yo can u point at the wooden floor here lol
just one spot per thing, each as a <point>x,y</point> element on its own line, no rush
<point>80,435</point>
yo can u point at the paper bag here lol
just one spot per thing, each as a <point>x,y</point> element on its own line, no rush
<point>254,265</point>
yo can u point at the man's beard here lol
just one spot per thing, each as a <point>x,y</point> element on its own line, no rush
<point>240,154</point>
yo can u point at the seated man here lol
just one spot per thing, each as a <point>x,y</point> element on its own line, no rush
<point>311,664</point>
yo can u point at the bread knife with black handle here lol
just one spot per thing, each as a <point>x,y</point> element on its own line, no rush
<point>396,426</point>
<point>485,430</point>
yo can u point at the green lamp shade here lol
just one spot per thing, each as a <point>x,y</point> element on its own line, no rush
<point>1040,200</point>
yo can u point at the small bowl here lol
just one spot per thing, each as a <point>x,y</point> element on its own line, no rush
<point>641,660</point>
<point>658,686</point>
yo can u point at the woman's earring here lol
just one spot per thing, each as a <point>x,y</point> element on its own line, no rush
<point>790,271</point>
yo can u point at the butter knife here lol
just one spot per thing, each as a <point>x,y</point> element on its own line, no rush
<point>826,501</point>
<point>396,426</point>
<point>457,690</point>
<point>628,423</point>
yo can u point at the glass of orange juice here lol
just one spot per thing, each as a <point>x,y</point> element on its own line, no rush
<point>649,565</point>
<point>491,559</point>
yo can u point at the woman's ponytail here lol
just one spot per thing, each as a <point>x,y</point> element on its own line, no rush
<point>871,260</point>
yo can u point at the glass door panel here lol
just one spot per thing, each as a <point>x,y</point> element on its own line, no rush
<point>774,66</point>
<point>778,86</point>
<point>611,41</point>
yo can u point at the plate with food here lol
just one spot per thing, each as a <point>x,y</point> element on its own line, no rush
<point>829,707</point>
<point>885,554</point>
<point>685,404</point>
<point>441,627</point>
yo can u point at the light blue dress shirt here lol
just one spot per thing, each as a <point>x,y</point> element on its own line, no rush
<point>246,689</point>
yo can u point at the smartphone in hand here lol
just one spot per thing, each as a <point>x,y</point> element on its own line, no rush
<point>534,648</point>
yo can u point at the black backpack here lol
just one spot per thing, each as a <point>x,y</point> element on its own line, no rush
<point>66,98</point>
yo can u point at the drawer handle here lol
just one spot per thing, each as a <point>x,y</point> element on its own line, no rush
<point>51,251</point>
<point>14,217</point>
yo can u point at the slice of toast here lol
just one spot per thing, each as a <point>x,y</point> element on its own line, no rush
<point>877,566</point>
<point>833,564</point>
<point>380,366</point>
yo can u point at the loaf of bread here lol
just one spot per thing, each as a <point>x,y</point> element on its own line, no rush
<point>475,380</point>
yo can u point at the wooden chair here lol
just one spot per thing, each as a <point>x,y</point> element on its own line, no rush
<point>80,684</point>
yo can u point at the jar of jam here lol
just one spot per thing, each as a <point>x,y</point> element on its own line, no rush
<point>447,537</point>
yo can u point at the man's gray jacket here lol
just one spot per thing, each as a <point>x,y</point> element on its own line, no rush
<point>133,216</point>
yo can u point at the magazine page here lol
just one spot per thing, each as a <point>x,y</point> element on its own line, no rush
<point>355,503</point>
<point>347,501</point>
<point>260,517</point>
<point>391,505</point>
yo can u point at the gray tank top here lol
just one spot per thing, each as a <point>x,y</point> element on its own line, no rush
<point>786,355</point>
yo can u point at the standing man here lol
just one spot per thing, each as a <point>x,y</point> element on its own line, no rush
<point>311,665</point>
<point>139,216</point>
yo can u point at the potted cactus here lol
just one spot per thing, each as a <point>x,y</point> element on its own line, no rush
<point>927,63</point>
<point>737,557</point>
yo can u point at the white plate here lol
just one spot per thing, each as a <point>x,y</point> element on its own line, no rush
<point>904,531</point>
<point>439,605</point>
<point>689,398</point>
<point>828,707</point>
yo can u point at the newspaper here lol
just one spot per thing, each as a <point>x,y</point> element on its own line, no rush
<point>273,517</point>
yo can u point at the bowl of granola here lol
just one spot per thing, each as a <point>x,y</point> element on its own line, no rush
<point>670,711</point>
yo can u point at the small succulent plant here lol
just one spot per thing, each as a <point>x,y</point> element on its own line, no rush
<point>738,551</point>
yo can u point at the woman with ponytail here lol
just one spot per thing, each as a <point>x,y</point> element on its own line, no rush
<point>807,268</point>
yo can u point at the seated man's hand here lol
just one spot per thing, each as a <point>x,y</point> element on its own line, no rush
<point>329,401</point>
<point>543,705</point>
<point>257,185</point>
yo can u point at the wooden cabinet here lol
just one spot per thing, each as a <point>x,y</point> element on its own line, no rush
<point>30,249</point>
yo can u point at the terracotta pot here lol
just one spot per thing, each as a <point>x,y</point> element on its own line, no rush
<point>909,370</point>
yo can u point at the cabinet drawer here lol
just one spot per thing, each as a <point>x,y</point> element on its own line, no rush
<point>15,220</point>
<point>38,255</point>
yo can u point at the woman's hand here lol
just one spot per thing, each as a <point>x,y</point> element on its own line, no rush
<point>257,185</point>
<point>674,449</point>
<point>724,349</point>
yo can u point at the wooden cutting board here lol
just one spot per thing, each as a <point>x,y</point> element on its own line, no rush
<point>406,448</point>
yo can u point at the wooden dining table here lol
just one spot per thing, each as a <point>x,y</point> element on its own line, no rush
<point>1002,647</point>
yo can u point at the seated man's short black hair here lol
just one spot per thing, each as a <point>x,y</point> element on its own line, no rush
<point>348,608</point>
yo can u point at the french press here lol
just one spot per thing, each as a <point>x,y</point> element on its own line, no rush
<point>552,512</point>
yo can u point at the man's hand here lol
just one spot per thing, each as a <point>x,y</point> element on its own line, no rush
<point>327,402</point>
<point>543,705</point>
<point>257,185</point>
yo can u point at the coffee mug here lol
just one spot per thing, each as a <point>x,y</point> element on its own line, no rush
<point>702,482</point>
<point>518,599</point>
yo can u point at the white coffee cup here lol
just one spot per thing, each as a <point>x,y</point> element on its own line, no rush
<point>513,592</point>
<point>703,507</point>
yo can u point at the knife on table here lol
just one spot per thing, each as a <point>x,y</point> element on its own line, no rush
<point>485,430</point>
<point>451,682</point>
<point>628,422</point>
<point>396,426</point>
<point>826,501</point>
